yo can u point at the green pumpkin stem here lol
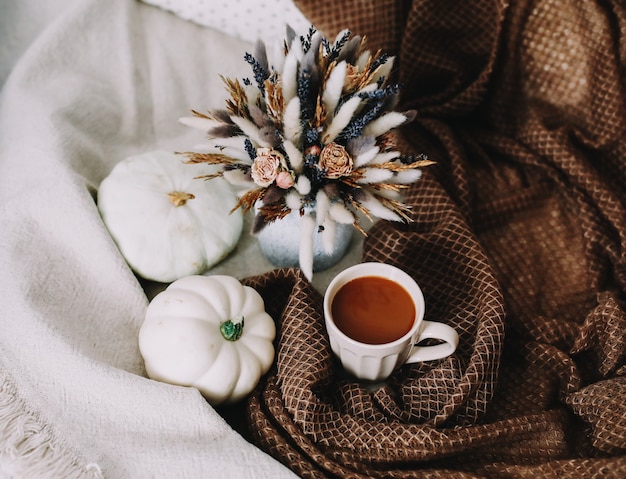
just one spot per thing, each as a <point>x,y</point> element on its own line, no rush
<point>232,329</point>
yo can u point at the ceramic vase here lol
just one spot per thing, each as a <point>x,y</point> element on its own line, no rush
<point>279,242</point>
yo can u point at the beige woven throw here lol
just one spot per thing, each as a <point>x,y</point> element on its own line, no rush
<point>519,242</point>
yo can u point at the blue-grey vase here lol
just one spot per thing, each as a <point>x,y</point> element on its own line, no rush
<point>279,242</point>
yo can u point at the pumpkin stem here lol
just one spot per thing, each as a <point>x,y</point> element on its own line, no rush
<point>179,198</point>
<point>232,329</point>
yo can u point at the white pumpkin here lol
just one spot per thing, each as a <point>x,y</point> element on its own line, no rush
<point>209,332</point>
<point>166,222</point>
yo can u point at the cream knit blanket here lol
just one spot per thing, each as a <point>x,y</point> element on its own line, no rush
<point>107,80</point>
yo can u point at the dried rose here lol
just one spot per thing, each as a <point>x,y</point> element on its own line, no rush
<point>335,161</point>
<point>265,166</point>
<point>284,180</point>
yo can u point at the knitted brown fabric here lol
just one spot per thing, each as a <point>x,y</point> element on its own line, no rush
<point>519,242</point>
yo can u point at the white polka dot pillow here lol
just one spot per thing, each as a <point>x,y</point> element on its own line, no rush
<point>246,19</point>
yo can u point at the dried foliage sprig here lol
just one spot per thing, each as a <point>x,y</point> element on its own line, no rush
<point>314,128</point>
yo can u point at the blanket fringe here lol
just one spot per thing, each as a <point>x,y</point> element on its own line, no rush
<point>29,448</point>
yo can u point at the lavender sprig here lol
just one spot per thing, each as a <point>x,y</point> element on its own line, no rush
<point>250,149</point>
<point>338,46</point>
<point>305,94</point>
<point>380,93</point>
<point>307,40</point>
<point>350,50</point>
<point>311,137</point>
<point>259,71</point>
<point>378,61</point>
<point>316,176</point>
<point>356,125</point>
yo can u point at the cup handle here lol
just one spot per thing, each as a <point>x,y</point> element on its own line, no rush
<point>434,330</point>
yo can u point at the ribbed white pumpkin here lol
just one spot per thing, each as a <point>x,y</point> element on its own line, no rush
<point>167,223</point>
<point>209,332</point>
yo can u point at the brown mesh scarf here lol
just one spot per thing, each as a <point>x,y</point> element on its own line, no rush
<point>518,241</point>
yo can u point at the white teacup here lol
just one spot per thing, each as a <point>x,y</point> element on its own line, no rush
<point>375,362</point>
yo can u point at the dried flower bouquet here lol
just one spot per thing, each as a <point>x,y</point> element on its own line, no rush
<point>312,132</point>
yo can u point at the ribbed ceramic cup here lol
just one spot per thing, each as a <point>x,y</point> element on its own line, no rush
<point>375,362</point>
